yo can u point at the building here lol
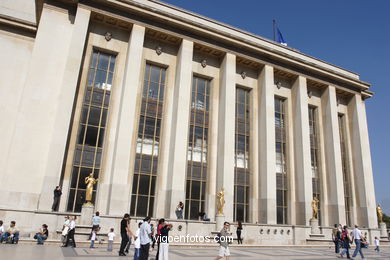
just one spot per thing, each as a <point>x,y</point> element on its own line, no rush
<point>163,105</point>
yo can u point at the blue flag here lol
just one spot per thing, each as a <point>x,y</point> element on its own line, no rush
<point>281,39</point>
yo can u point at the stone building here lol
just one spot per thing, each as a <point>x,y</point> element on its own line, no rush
<point>163,105</point>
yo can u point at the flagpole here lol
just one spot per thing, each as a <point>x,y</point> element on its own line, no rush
<point>274,25</point>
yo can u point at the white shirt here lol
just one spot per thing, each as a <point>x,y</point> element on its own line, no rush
<point>72,224</point>
<point>144,232</point>
<point>1,229</point>
<point>356,233</point>
<point>93,237</point>
<point>376,242</point>
<point>111,236</point>
<point>137,243</point>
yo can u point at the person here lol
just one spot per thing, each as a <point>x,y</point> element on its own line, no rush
<point>56,200</point>
<point>336,234</point>
<point>1,228</point>
<point>145,232</point>
<point>65,230</point>
<point>164,241</point>
<point>111,237</point>
<point>357,237</point>
<point>345,241</point>
<point>72,229</point>
<point>93,237</point>
<point>11,232</point>
<point>153,236</point>
<point>159,227</point>
<point>376,243</point>
<point>125,233</point>
<point>238,232</point>
<point>203,216</point>
<point>137,244</point>
<point>95,223</point>
<point>42,235</point>
<point>179,210</point>
<point>224,242</point>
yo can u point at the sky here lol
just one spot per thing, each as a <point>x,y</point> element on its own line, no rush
<point>352,34</point>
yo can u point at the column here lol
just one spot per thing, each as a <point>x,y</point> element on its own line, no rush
<point>363,178</point>
<point>266,126</point>
<point>334,173</point>
<point>226,127</point>
<point>178,141</point>
<point>303,174</point>
<point>120,181</point>
<point>63,114</point>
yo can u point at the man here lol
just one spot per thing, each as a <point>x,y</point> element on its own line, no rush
<point>145,233</point>
<point>224,240</point>
<point>336,236</point>
<point>57,197</point>
<point>125,233</point>
<point>357,237</point>
<point>12,232</point>
<point>72,229</point>
<point>164,241</point>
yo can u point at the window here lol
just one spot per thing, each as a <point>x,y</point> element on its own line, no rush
<point>148,142</point>
<point>281,165</point>
<point>197,148</point>
<point>92,127</point>
<point>314,151</point>
<point>241,152</point>
<point>344,162</point>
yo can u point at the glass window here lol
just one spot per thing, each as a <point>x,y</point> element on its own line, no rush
<point>147,147</point>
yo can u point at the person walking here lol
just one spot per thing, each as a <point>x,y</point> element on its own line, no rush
<point>238,232</point>
<point>224,242</point>
<point>376,243</point>
<point>125,232</point>
<point>357,237</point>
<point>145,238</point>
<point>336,235</point>
<point>57,197</point>
<point>164,241</point>
<point>111,236</point>
<point>345,242</point>
<point>72,229</point>
<point>137,244</point>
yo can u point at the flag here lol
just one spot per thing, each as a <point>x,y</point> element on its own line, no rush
<point>280,38</point>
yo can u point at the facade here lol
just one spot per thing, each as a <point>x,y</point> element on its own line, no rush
<point>162,106</point>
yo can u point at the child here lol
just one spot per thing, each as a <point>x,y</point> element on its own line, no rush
<point>111,236</point>
<point>93,237</point>
<point>376,243</point>
<point>137,243</point>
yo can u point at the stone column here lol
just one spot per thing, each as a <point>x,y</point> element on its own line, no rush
<point>303,174</point>
<point>365,193</point>
<point>334,173</point>
<point>63,114</point>
<point>120,181</point>
<point>226,127</point>
<point>178,143</point>
<point>266,126</point>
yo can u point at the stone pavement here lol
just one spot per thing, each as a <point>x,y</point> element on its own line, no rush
<point>51,252</point>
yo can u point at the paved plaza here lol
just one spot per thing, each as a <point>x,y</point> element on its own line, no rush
<point>50,252</point>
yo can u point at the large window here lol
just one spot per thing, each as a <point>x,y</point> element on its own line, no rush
<point>281,165</point>
<point>241,163</point>
<point>91,128</point>
<point>148,142</point>
<point>197,148</point>
<point>344,162</point>
<point>315,153</point>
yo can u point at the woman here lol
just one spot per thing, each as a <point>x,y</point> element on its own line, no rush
<point>345,242</point>
<point>42,235</point>
<point>238,232</point>
<point>65,230</point>
<point>72,229</point>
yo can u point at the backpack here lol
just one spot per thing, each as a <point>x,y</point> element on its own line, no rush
<point>218,238</point>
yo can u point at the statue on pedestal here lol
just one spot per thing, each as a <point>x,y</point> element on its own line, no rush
<point>90,181</point>
<point>314,206</point>
<point>379,212</point>
<point>220,201</point>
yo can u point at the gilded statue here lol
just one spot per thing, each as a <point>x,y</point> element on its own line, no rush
<point>379,212</point>
<point>314,206</point>
<point>90,181</point>
<point>221,201</point>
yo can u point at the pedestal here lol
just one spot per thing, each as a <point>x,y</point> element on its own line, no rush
<point>86,214</point>
<point>383,230</point>
<point>219,220</point>
<point>314,226</point>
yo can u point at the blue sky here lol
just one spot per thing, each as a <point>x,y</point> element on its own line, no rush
<point>353,34</point>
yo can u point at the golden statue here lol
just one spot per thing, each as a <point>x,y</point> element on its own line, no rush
<point>314,206</point>
<point>221,201</point>
<point>90,181</point>
<point>380,213</point>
